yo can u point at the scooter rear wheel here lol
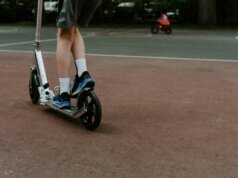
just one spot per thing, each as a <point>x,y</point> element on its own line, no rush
<point>154,29</point>
<point>92,118</point>
<point>33,85</point>
<point>168,31</point>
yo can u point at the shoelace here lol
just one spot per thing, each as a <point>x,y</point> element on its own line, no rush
<point>57,88</point>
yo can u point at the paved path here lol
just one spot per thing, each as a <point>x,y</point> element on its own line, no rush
<point>193,44</point>
<point>161,118</point>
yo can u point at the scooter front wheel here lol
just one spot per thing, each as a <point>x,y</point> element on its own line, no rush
<point>33,85</point>
<point>92,118</point>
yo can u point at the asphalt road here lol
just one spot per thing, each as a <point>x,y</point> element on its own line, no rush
<point>194,44</point>
<point>161,118</point>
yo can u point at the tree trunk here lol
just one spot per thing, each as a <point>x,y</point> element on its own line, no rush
<point>138,6</point>
<point>207,12</point>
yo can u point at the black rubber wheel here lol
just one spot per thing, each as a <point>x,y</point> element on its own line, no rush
<point>92,118</point>
<point>154,29</point>
<point>168,31</point>
<point>33,85</point>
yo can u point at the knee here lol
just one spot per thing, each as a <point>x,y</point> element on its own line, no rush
<point>67,34</point>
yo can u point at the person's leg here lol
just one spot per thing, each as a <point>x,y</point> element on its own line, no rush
<point>82,78</point>
<point>78,51</point>
<point>78,48</point>
<point>65,39</point>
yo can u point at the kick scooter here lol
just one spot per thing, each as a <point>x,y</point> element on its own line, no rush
<point>88,108</point>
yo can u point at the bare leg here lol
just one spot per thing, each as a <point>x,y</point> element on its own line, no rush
<point>78,51</point>
<point>65,39</point>
<point>78,48</point>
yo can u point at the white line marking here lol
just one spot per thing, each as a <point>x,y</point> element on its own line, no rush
<point>24,42</point>
<point>8,30</point>
<point>32,42</point>
<point>236,37</point>
<point>140,57</point>
<point>163,58</point>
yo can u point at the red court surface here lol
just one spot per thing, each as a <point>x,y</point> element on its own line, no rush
<point>161,118</point>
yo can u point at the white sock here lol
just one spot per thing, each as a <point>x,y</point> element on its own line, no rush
<point>64,85</point>
<point>81,66</point>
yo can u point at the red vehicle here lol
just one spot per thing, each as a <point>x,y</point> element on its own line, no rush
<point>162,24</point>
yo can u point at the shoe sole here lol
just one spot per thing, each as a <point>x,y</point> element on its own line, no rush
<point>65,106</point>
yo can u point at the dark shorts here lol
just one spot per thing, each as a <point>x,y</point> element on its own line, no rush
<point>72,12</point>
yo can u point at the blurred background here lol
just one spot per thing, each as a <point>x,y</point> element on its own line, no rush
<point>185,12</point>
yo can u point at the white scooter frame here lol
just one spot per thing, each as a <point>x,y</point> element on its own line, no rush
<point>88,111</point>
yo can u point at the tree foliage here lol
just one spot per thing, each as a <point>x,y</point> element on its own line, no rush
<point>204,12</point>
<point>207,12</point>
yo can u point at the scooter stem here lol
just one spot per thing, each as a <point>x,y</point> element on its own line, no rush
<point>45,93</point>
<point>38,23</point>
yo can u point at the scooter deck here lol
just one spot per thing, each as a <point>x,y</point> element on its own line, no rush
<point>73,112</point>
